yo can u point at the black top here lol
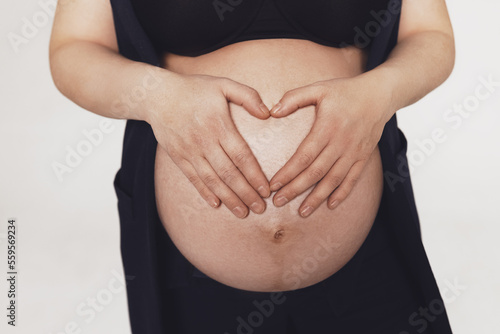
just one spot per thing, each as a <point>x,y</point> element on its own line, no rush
<point>149,256</point>
<point>193,28</point>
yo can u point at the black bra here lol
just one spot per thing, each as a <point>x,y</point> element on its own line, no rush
<point>196,27</point>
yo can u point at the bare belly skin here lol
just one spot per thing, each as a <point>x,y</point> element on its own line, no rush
<point>277,250</point>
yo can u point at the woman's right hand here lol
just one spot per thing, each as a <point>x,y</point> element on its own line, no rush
<point>192,122</point>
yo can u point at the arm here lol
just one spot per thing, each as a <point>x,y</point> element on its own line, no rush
<point>423,58</point>
<point>352,112</point>
<point>87,68</point>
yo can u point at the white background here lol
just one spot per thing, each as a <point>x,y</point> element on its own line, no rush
<point>69,230</point>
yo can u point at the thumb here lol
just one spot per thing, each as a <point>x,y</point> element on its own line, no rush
<point>245,96</point>
<point>295,99</point>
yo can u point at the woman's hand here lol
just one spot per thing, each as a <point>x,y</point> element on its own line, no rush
<point>193,124</point>
<point>350,116</point>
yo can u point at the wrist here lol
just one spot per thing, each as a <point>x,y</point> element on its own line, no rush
<point>384,86</point>
<point>155,91</point>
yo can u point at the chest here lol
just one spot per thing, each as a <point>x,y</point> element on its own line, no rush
<point>194,27</point>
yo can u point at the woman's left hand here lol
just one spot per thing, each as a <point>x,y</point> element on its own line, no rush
<point>350,116</point>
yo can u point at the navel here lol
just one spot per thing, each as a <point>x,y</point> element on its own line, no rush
<point>279,234</point>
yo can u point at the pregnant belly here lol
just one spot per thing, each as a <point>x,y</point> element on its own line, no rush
<point>277,250</point>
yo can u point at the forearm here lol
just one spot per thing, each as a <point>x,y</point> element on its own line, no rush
<point>416,66</point>
<point>106,83</point>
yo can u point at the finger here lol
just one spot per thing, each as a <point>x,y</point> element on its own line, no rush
<point>341,193</point>
<point>326,186</point>
<point>242,156</point>
<point>310,176</point>
<point>304,156</point>
<point>208,175</point>
<point>233,178</point>
<point>245,96</point>
<point>295,99</point>
<point>193,177</point>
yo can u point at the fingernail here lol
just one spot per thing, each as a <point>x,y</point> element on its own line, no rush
<point>263,192</point>
<point>334,204</point>
<point>213,203</point>
<point>264,109</point>
<point>282,200</point>
<point>276,108</point>
<point>275,186</point>
<point>257,207</point>
<point>306,211</point>
<point>239,212</point>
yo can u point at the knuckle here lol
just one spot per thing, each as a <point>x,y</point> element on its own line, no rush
<point>194,179</point>
<point>363,146</point>
<point>210,180</point>
<point>351,182</point>
<point>341,194</point>
<point>200,140</point>
<point>224,132</point>
<point>223,82</point>
<point>291,193</point>
<point>227,174</point>
<point>173,154</point>
<point>240,159</point>
<point>335,180</point>
<point>288,94</point>
<point>316,196</point>
<point>320,88</point>
<point>316,173</point>
<point>305,159</point>
<point>252,93</point>
<point>315,200</point>
<point>319,84</point>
